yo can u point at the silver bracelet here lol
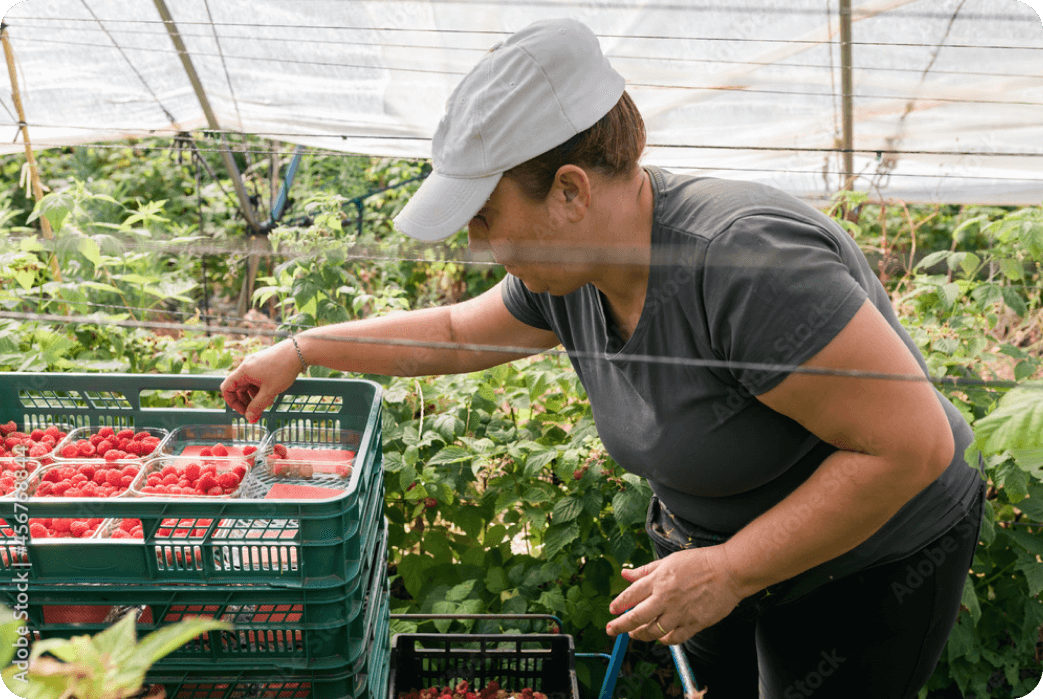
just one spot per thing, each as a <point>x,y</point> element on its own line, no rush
<point>304,364</point>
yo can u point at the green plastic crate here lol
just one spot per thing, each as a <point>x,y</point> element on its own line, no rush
<point>366,679</point>
<point>325,551</point>
<point>324,628</point>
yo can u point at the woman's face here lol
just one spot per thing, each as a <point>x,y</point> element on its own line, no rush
<point>530,239</point>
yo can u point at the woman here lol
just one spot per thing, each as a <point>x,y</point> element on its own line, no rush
<point>814,528</point>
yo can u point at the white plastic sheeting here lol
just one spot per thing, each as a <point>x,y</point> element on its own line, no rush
<point>948,94</point>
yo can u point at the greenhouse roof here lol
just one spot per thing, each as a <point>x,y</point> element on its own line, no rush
<point>947,95</point>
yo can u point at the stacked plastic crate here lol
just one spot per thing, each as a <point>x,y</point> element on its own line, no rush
<point>293,554</point>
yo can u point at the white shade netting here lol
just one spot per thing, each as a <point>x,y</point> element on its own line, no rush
<point>947,95</point>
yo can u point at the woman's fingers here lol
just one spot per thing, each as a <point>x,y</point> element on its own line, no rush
<point>633,595</point>
<point>636,621</point>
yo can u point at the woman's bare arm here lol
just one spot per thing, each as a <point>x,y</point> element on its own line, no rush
<point>464,337</point>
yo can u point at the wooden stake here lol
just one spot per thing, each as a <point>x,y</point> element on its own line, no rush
<point>34,172</point>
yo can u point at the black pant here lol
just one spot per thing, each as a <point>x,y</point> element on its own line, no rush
<point>877,633</point>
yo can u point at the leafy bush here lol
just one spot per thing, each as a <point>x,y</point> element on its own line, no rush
<point>499,494</point>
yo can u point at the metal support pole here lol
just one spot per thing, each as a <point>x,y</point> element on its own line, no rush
<point>847,90</point>
<point>211,119</point>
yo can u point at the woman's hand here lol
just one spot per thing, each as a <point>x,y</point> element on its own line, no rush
<point>676,597</point>
<point>255,383</point>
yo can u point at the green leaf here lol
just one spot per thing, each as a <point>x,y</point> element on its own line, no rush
<point>629,507</point>
<point>1016,422</point>
<point>10,632</point>
<point>460,592</point>
<point>1033,571</point>
<point>559,536</point>
<point>496,580</point>
<point>166,640</point>
<point>1013,270</point>
<point>970,600</point>
<point>25,278</point>
<point>118,641</point>
<point>566,509</point>
<point>89,249</point>
<point>1014,301</point>
<point>621,544</point>
<point>932,259</point>
<point>450,455</point>
<point>535,461</point>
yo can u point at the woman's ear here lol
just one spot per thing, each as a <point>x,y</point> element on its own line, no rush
<point>572,190</point>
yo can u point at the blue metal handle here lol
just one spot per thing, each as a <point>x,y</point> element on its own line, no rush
<point>614,663</point>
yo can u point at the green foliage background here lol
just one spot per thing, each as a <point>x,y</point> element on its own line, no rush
<point>500,495</point>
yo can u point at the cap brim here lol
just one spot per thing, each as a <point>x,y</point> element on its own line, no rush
<point>443,205</point>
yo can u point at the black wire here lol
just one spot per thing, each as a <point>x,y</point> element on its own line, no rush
<point>878,152</point>
<point>480,49</point>
<point>499,33</point>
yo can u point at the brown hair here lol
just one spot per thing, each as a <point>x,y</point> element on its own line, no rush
<point>612,147</point>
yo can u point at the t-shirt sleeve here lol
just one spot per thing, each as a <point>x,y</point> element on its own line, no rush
<point>776,292</point>
<point>522,303</point>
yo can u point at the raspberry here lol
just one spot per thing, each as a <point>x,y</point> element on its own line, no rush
<point>220,450</point>
<point>49,440</point>
<point>249,450</point>
<point>206,451</point>
<point>216,490</point>
<point>78,479</point>
<point>171,479</point>
<point>121,444</point>
<point>240,471</point>
<point>39,450</point>
<point>94,522</point>
<point>137,533</point>
<point>206,482</point>
<point>167,470</point>
<point>87,470</point>
<point>192,472</point>
<point>61,525</point>
<point>89,491</point>
<point>281,451</point>
<point>36,435</point>
<point>95,439</point>
<point>100,476</point>
<point>138,436</point>
<point>78,528</point>
<point>154,479</point>
<point>73,493</point>
<point>125,434</point>
<point>120,534</point>
<point>45,521</point>
<point>129,471</point>
<point>114,455</point>
<point>149,489</point>
<point>129,524</point>
<point>12,442</point>
<point>106,432</point>
<point>134,448</point>
<point>86,450</point>
<point>52,431</point>
<point>112,477</point>
<point>104,446</point>
<point>38,531</point>
<point>8,428</point>
<point>228,480</point>
<point>125,481</point>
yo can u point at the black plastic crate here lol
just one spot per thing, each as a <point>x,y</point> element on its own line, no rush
<point>543,662</point>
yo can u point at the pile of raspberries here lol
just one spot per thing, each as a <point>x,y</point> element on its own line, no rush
<point>88,479</point>
<point>194,478</point>
<point>111,445</point>
<point>463,691</point>
<point>36,444</point>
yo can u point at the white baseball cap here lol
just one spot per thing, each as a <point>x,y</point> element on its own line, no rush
<point>529,94</point>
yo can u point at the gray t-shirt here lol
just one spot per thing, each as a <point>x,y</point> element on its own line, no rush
<point>742,273</point>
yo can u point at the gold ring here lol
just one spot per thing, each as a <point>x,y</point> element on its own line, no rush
<point>660,627</point>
